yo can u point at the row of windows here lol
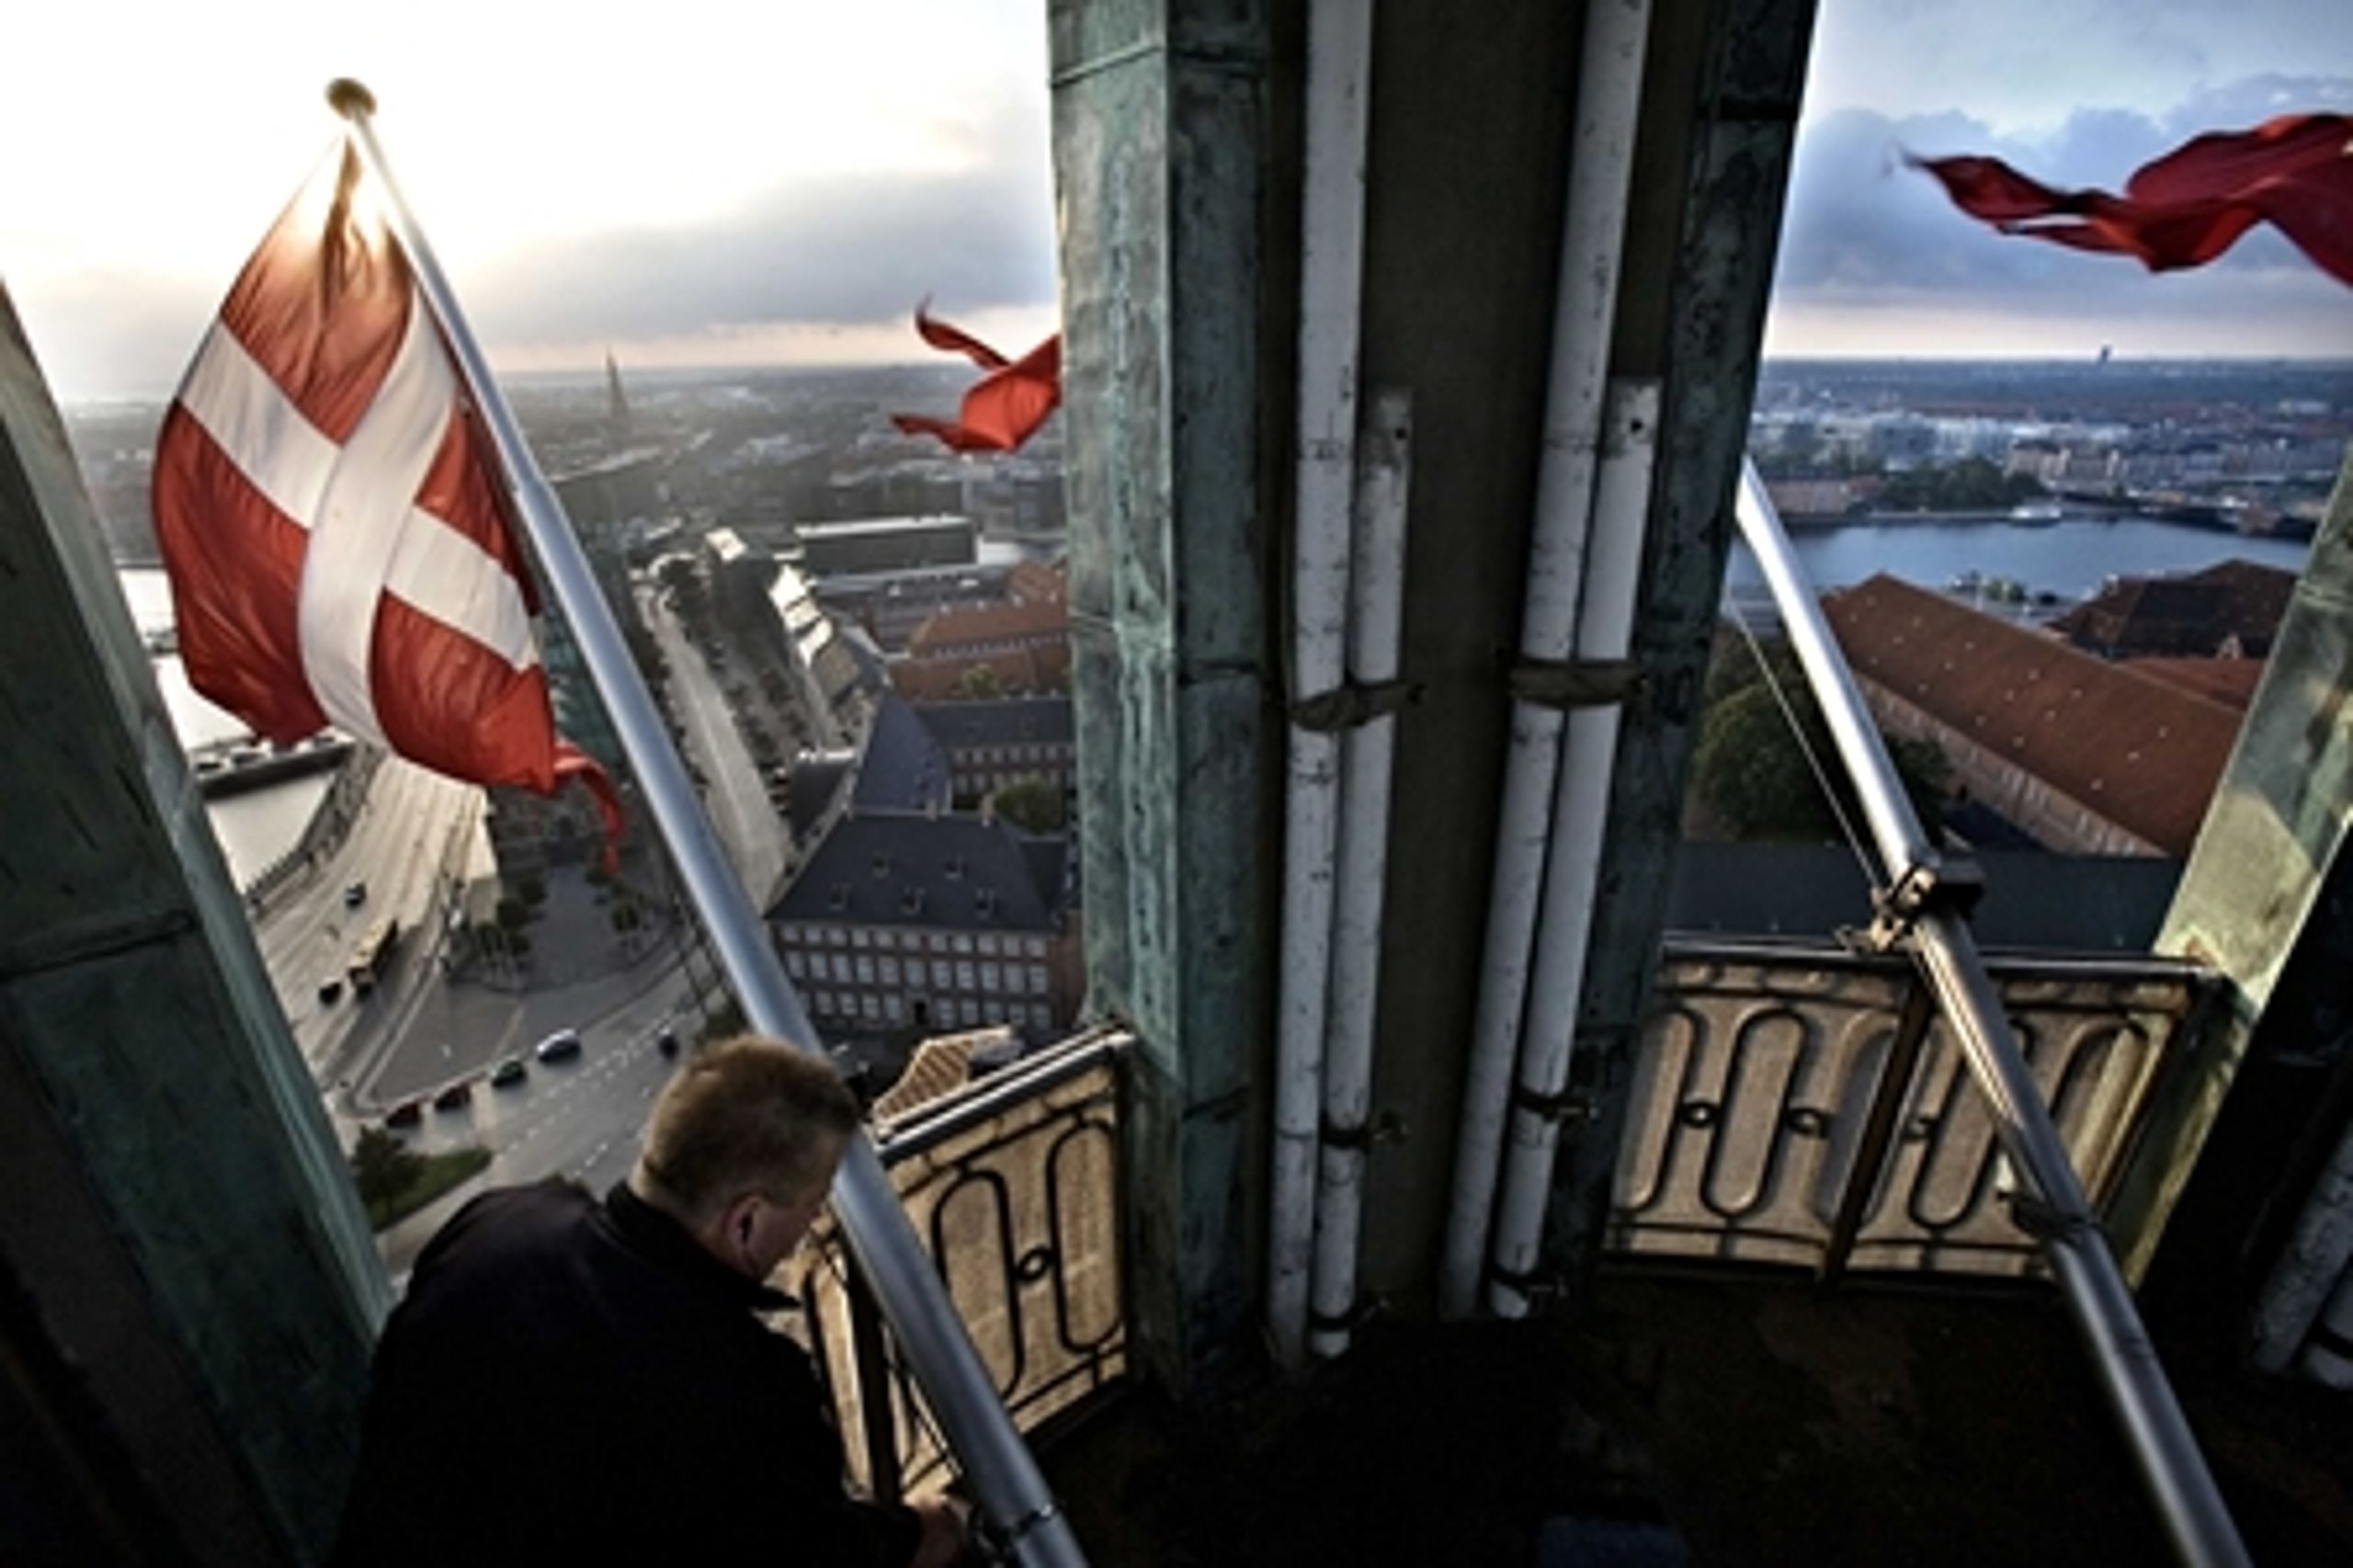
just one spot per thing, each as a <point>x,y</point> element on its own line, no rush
<point>965,755</point>
<point>961,974</point>
<point>976,783</point>
<point>945,1011</point>
<point>990,945</point>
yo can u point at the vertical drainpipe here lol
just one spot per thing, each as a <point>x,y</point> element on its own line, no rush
<point>1580,818</point>
<point>1376,616</point>
<point>1339,52</point>
<point>1601,157</point>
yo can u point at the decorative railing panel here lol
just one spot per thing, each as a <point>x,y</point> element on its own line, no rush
<point>1805,1107</point>
<point>1013,1183</point>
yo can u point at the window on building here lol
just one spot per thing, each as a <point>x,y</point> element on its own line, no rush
<point>865,969</point>
<point>939,941</point>
<point>1035,946</point>
<point>942,976</point>
<point>963,943</point>
<point>1040,1017</point>
<point>871,1006</point>
<point>988,947</point>
<point>837,934</point>
<point>858,938</point>
<point>792,964</point>
<point>889,969</point>
<point>989,977</point>
<point>841,969</point>
<point>1037,980</point>
<point>964,978</point>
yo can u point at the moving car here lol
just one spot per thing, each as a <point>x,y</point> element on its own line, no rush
<point>559,1045</point>
<point>455,1095</point>
<point>668,1041</point>
<point>354,896</point>
<point>509,1070</point>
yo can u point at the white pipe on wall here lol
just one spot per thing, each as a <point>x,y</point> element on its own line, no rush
<point>1339,61</point>
<point>1376,626</point>
<point>1580,819</point>
<point>1601,158</point>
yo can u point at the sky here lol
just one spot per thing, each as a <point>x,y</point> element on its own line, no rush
<point>705,182</point>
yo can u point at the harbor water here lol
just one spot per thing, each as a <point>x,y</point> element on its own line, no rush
<point>257,826</point>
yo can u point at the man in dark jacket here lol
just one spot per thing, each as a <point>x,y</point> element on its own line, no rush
<point>575,1382</point>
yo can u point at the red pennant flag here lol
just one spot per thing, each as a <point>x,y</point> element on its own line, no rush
<point>1006,406</point>
<point>2188,206</point>
<point>339,547</point>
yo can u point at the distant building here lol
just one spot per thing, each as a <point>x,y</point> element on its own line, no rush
<point>1799,499</point>
<point>903,920</point>
<point>996,742</point>
<point>886,544</point>
<point>2231,609</point>
<point>897,765</point>
<point>1025,646</point>
<point>2081,754</point>
<point>890,605</point>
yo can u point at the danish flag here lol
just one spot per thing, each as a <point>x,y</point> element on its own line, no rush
<point>339,545</point>
<point>1005,407</point>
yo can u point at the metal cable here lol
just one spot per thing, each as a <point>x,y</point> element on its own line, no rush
<point>1805,749</point>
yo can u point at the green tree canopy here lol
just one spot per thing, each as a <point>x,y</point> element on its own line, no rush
<point>383,1167</point>
<point>1033,805</point>
<point>1750,771</point>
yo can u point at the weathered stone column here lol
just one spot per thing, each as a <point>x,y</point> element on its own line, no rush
<point>189,1287</point>
<point>2264,899</point>
<point>1160,125</point>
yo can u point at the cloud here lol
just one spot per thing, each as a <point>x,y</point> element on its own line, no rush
<point>1863,231</point>
<point>846,251</point>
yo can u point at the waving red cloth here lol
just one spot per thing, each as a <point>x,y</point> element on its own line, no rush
<point>2188,206</point>
<point>1006,406</point>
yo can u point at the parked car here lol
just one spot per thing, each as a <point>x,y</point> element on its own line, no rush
<point>330,993</point>
<point>666,1042</point>
<point>408,1113</point>
<point>454,1096</point>
<point>559,1045</point>
<point>354,896</point>
<point>509,1070</point>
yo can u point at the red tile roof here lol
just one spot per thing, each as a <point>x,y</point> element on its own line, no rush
<point>2141,752</point>
<point>2229,682</point>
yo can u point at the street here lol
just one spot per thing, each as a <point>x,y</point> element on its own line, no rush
<point>755,836</point>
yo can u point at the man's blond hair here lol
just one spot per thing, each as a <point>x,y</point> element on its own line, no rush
<point>747,1115</point>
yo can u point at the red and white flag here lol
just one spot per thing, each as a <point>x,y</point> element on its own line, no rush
<point>1005,407</point>
<point>326,497</point>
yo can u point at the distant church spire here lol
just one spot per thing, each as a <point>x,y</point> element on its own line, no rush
<point>617,421</point>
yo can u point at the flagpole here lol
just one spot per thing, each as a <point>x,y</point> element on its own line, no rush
<point>1005,1479</point>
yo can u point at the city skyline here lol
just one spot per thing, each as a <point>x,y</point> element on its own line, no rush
<point>779,184</point>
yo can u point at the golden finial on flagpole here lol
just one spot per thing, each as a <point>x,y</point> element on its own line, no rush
<point>350,98</point>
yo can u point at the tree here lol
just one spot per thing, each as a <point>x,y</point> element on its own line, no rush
<point>979,681</point>
<point>1750,770</point>
<point>383,1167</point>
<point>1031,804</point>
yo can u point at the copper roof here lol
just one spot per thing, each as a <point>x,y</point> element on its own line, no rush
<point>2141,752</point>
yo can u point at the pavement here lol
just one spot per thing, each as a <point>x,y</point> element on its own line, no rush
<point>734,793</point>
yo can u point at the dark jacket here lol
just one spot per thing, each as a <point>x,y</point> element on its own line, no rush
<point>570,1381</point>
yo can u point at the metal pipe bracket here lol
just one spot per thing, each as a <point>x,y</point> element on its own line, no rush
<point>1353,705</point>
<point>1934,884</point>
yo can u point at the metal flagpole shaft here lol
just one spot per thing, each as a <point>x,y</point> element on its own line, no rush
<point>2056,1209</point>
<point>1005,1479</point>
